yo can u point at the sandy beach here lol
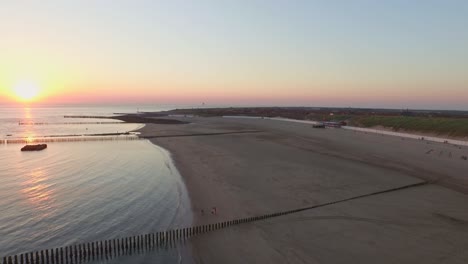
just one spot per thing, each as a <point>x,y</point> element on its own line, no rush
<point>282,165</point>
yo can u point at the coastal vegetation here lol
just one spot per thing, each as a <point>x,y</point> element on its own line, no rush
<point>444,123</point>
<point>454,127</point>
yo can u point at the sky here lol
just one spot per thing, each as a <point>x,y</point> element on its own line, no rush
<point>398,54</point>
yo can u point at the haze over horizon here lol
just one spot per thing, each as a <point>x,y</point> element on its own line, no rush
<point>397,54</point>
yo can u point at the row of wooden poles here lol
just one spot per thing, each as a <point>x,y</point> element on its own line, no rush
<point>67,139</point>
<point>85,116</point>
<point>66,123</point>
<point>108,249</point>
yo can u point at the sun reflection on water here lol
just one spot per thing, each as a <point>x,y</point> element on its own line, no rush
<point>27,113</point>
<point>38,192</point>
<point>29,129</point>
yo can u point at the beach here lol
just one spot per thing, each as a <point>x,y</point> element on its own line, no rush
<point>276,166</point>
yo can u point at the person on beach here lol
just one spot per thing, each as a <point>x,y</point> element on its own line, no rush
<point>213,211</point>
<point>202,212</point>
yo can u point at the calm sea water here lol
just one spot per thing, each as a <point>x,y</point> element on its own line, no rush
<point>53,120</point>
<point>85,191</point>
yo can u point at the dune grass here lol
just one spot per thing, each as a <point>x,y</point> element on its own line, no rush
<point>455,127</point>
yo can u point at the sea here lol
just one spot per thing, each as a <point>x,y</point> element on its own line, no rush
<point>85,191</point>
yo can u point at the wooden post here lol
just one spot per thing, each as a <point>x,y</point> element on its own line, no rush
<point>106,248</point>
<point>69,256</point>
<point>52,258</point>
<point>117,247</point>
<point>94,249</point>
<point>16,259</point>
<point>76,254</point>
<point>80,252</point>
<point>42,256</point>
<point>9,260</point>
<point>70,251</point>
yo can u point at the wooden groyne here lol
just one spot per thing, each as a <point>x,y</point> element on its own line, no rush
<point>66,123</point>
<point>123,136</point>
<point>86,116</point>
<point>69,139</point>
<point>113,248</point>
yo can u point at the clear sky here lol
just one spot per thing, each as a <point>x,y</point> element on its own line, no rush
<point>402,54</point>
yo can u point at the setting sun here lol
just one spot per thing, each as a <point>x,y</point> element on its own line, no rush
<point>26,91</point>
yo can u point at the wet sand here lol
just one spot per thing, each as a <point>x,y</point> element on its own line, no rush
<point>290,165</point>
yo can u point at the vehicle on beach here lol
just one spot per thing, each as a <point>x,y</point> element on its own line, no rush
<point>332,124</point>
<point>320,125</point>
<point>37,147</point>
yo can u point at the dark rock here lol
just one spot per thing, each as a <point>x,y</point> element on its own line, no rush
<point>34,147</point>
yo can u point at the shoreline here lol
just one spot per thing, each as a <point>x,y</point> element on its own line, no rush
<point>378,130</point>
<point>289,165</point>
